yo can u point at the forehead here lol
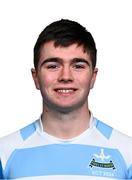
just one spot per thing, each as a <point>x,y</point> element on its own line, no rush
<point>48,50</point>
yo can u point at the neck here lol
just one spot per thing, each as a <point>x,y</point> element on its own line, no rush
<point>65,126</point>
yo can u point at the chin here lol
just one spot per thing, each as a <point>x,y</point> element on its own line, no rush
<point>65,109</point>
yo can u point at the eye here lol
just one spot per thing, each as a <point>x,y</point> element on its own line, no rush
<point>79,66</point>
<point>52,66</point>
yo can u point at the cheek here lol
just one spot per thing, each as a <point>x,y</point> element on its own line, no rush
<point>84,80</point>
<point>47,80</point>
<point>86,85</point>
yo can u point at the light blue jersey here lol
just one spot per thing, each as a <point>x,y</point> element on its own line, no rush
<point>99,153</point>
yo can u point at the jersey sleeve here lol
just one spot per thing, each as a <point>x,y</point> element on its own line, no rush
<point>130,172</point>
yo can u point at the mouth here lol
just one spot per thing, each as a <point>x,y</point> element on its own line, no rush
<point>65,91</point>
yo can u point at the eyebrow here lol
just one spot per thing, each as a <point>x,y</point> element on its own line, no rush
<point>54,59</point>
<point>59,60</point>
<point>77,60</point>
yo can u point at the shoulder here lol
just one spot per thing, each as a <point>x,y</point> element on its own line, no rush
<point>13,141</point>
<point>116,140</point>
<point>10,141</point>
<point>19,136</point>
<point>111,133</point>
<point>122,141</point>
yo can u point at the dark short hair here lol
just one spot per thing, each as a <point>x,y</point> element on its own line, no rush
<point>65,33</point>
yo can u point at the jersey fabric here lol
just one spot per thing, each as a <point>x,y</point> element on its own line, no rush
<point>99,153</point>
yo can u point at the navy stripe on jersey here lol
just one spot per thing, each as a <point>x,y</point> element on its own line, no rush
<point>1,173</point>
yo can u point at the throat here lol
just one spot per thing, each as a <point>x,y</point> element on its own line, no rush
<point>66,127</point>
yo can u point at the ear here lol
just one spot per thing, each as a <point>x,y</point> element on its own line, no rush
<point>94,75</point>
<point>35,78</point>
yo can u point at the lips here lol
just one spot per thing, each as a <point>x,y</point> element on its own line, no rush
<point>65,90</point>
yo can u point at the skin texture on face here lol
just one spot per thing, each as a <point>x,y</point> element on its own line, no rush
<point>64,77</point>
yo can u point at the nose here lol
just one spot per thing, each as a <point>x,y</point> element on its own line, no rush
<point>65,75</point>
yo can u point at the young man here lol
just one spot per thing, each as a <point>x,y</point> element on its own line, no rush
<point>67,142</point>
